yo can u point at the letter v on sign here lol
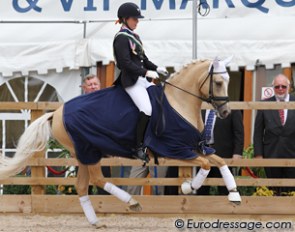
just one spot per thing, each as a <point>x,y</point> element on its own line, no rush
<point>67,4</point>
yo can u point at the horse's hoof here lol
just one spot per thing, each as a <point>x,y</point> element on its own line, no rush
<point>235,197</point>
<point>236,202</point>
<point>136,208</point>
<point>99,225</point>
<point>134,205</point>
<point>186,187</point>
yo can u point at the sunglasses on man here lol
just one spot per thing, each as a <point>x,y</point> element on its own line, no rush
<point>280,87</point>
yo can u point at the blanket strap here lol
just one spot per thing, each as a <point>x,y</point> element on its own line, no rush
<point>156,156</point>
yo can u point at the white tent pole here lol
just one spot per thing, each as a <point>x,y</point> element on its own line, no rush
<point>194,42</point>
<point>84,29</point>
<point>84,70</point>
<point>195,22</point>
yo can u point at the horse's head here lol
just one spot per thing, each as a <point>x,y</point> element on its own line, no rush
<point>201,80</point>
<point>214,86</point>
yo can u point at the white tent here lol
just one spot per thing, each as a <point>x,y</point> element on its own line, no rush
<point>55,38</point>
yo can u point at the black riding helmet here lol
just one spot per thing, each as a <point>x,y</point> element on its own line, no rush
<point>129,9</point>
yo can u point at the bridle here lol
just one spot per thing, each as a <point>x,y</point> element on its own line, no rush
<point>211,99</point>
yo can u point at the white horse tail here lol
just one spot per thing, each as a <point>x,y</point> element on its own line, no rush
<point>34,139</point>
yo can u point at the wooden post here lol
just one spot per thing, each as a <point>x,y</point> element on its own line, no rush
<point>101,73</point>
<point>147,189</point>
<point>247,117</point>
<point>288,73</point>
<point>37,171</point>
<point>106,74</point>
<point>110,72</point>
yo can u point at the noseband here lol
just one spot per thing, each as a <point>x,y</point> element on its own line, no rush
<point>211,99</point>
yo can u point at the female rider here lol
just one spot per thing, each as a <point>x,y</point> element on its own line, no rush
<point>135,68</point>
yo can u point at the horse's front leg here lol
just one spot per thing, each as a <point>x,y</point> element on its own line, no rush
<point>82,185</point>
<point>188,186</point>
<point>96,178</point>
<point>228,178</point>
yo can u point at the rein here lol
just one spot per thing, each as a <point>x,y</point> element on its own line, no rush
<point>211,98</point>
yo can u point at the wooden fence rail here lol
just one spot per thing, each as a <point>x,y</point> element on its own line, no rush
<point>39,202</point>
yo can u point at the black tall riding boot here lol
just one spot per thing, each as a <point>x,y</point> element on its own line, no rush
<point>142,123</point>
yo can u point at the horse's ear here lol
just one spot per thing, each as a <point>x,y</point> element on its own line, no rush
<point>228,60</point>
<point>215,63</point>
<point>220,66</point>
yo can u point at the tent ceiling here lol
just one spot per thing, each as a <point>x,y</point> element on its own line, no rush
<point>253,38</point>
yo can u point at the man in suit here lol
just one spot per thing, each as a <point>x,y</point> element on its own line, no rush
<point>91,83</point>
<point>227,138</point>
<point>274,132</point>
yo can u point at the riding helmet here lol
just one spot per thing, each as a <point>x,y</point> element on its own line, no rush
<point>129,9</point>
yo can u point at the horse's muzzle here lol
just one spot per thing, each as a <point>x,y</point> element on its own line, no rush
<point>224,111</point>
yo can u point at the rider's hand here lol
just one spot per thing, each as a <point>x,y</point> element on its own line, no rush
<point>163,71</point>
<point>152,74</point>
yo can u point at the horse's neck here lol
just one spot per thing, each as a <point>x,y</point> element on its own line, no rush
<point>188,106</point>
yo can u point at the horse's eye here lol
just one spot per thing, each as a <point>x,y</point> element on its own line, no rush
<point>218,83</point>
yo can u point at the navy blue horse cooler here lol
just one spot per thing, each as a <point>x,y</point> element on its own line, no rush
<point>103,123</point>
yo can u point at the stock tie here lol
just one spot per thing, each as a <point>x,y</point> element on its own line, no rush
<point>282,116</point>
<point>208,126</point>
<point>206,136</point>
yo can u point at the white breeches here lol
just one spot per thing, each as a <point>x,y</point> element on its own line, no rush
<point>139,95</point>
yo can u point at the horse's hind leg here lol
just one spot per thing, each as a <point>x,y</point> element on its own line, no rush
<point>194,184</point>
<point>228,178</point>
<point>82,185</point>
<point>59,132</point>
<point>96,178</point>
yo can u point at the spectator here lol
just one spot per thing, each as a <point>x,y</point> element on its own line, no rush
<point>142,172</point>
<point>90,84</point>
<point>274,133</point>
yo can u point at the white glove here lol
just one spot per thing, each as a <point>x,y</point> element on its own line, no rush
<point>163,71</point>
<point>152,74</point>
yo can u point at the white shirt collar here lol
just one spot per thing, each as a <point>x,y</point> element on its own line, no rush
<point>124,27</point>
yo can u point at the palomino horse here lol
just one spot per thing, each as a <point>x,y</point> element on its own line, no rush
<point>93,125</point>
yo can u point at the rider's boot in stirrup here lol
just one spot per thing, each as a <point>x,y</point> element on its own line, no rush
<point>140,151</point>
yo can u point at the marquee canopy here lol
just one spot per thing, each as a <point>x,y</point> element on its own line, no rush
<point>56,34</point>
